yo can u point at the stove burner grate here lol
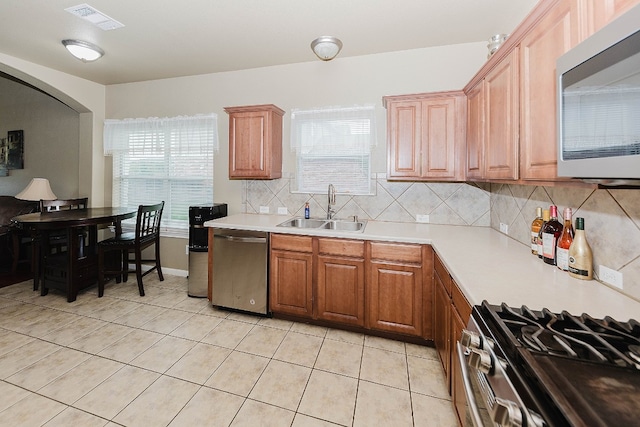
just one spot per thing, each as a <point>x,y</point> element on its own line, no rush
<point>582,337</point>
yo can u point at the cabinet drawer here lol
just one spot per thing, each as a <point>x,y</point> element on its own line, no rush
<point>460,302</point>
<point>396,252</point>
<point>442,274</point>
<point>287,242</point>
<point>340,247</point>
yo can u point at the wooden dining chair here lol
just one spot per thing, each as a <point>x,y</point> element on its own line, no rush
<point>56,241</point>
<point>147,234</point>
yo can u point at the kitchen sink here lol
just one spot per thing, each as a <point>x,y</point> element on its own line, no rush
<point>325,224</point>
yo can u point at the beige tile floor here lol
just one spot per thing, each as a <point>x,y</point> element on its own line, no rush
<point>167,359</point>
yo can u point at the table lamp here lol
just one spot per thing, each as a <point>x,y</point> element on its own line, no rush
<point>38,189</point>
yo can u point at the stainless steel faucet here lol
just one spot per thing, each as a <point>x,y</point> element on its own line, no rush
<point>331,199</point>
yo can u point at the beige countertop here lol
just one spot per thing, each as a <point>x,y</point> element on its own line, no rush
<point>486,264</point>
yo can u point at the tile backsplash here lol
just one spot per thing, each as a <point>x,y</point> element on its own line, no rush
<point>612,217</point>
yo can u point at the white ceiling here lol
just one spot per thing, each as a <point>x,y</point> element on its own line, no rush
<point>171,38</point>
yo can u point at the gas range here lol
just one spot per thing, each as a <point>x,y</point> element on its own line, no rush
<point>537,368</point>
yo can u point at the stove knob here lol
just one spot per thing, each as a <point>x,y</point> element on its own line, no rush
<point>470,339</point>
<point>480,360</point>
<point>506,413</point>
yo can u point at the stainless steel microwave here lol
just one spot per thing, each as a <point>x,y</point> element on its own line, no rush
<point>599,105</point>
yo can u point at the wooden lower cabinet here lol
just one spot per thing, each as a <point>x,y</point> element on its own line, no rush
<point>395,298</point>
<point>291,275</point>
<point>340,281</point>
<point>442,322</point>
<point>371,285</point>
<point>398,298</point>
<point>456,383</point>
<point>451,314</point>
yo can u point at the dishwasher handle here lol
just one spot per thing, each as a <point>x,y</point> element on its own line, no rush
<point>241,239</point>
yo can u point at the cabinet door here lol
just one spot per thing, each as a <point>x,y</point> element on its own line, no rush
<point>555,34</point>
<point>255,142</point>
<point>340,290</point>
<point>501,102</point>
<point>475,131</point>
<point>291,283</point>
<point>457,385</point>
<point>404,135</point>
<point>442,120</point>
<point>395,300</point>
<point>600,12</point>
<point>442,333</point>
<point>425,136</point>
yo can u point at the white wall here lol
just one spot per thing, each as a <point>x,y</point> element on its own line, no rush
<point>348,81</point>
<point>51,139</point>
<point>83,96</point>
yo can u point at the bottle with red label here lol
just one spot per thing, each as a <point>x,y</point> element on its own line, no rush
<point>550,233</point>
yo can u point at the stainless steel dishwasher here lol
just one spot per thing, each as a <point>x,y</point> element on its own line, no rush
<point>240,270</point>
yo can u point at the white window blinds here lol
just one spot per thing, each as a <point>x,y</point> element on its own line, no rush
<point>333,146</point>
<point>168,159</point>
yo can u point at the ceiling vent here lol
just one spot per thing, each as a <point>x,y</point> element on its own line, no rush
<point>97,18</point>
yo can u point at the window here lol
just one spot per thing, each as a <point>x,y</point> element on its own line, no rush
<point>168,159</point>
<point>333,146</point>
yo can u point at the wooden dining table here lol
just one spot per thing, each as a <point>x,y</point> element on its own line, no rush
<point>76,268</point>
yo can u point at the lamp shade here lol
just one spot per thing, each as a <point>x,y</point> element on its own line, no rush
<point>326,47</point>
<point>38,189</point>
<point>84,51</point>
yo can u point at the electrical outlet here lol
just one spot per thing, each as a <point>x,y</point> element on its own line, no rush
<point>264,209</point>
<point>282,211</point>
<point>504,228</point>
<point>186,249</point>
<point>610,276</point>
<point>422,218</point>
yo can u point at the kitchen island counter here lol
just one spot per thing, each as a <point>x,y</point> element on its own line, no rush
<point>486,265</point>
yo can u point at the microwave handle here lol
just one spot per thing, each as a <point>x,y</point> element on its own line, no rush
<point>468,390</point>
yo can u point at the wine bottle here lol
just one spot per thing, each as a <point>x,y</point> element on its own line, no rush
<point>535,230</point>
<point>545,219</point>
<point>564,242</point>
<point>580,255</point>
<point>550,233</point>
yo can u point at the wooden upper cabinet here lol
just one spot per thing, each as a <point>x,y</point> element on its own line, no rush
<point>425,136</point>
<point>599,13</point>
<point>475,131</point>
<point>255,142</point>
<point>501,120</point>
<point>555,34</point>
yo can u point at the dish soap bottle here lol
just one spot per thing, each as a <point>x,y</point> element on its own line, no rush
<point>580,255</point>
<point>306,210</point>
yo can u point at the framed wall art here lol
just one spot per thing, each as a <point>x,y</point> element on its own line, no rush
<point>12,150</point>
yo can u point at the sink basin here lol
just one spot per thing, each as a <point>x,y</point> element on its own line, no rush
<point>344,225</point>
<point>325,224</point>
<point>303,223</point>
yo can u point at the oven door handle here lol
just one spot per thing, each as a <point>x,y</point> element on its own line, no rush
<point>468,390</point>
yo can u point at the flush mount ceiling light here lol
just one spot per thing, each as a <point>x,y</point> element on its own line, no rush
<point>84,51</point>
<point>326,47</point>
